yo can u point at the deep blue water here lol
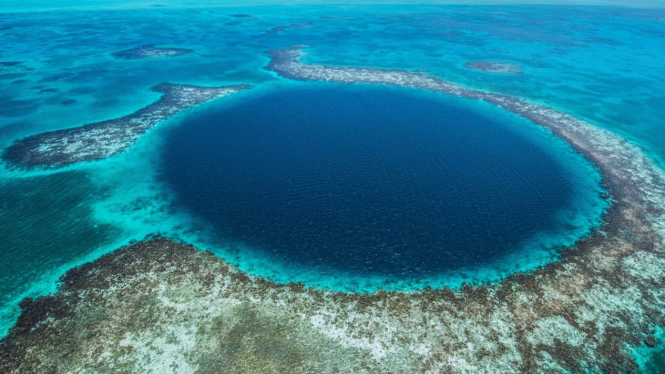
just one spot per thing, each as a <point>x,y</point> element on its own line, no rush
<point>365,180</point>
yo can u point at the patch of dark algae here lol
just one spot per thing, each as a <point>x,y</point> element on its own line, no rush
<point>100,140</point>
<point>277,29</point>
<point>161,306</point>
<point>150,51</point>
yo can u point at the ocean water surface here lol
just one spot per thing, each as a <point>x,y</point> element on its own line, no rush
<point>533,192</point>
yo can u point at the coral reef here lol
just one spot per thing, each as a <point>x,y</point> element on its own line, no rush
<point>100,140</point>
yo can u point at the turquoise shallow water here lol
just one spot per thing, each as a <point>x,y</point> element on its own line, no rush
<point>602,64</point>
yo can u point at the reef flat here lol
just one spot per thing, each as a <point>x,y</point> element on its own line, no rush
<point>494,67</point>
<point>100,140</point>
<point>150,51</point>
<point>161,306</point>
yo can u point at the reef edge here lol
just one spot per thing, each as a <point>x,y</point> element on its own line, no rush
<point>100,140</point>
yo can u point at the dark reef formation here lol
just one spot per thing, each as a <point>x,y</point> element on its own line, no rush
<point>494,67</point>
<point>8,64</point>
<point>295,25</point>
<point>100,140</point>
<point>161,306</point>
<point>13,69</point>
<point>150,51</point>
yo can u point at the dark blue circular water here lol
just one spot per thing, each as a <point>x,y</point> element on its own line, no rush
<point>364,180</point>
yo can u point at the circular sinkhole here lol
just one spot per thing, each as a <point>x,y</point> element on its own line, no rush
<point>375,181</point>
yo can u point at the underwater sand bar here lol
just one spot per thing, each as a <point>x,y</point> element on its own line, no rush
<point>150,51</point>
<point>494,67</point>
<point>97,141</point>
<point>160,306</point>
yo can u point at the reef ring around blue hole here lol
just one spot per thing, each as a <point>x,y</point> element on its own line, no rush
<point>370,181</point>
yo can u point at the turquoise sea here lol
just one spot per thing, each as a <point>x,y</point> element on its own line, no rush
<point>600,63</point>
